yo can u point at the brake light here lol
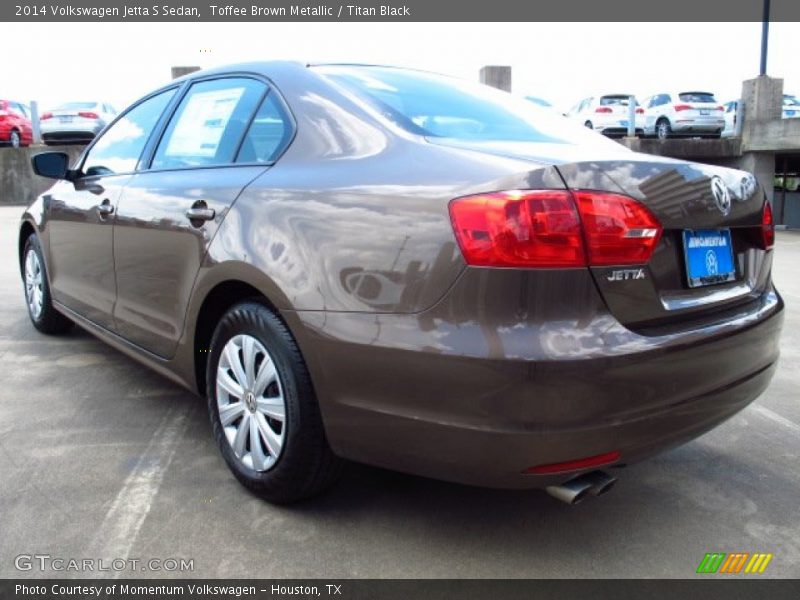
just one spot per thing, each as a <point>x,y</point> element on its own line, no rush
<point>722,108</point>
<point>767,227</point>
<point>538,228</point>
<point>45,116</point>
<point>552,229</point>
<point>640,111</point>
<point>574,465</point>
<point>680,107</point>
<point>602,109</point>
<point>88,115</point>
<point>619,230</point>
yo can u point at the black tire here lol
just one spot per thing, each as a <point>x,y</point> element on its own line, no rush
<point>49,320</point>
<point>14,139</point>
<point>663,129</point>
<point>588,124</point>
<point>305,466</point>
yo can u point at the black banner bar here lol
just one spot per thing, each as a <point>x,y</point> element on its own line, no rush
<point>397,10</point>
<point>715,587</point>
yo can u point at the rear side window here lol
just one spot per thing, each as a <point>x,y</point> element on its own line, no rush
<point>268,135</point>
<point>436,106</point>
<point>209,123</point>
<point>119,148</point>
<point>696,97</point>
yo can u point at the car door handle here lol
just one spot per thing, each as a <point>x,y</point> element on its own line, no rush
<point>200,213</point>
<point>105,209</point>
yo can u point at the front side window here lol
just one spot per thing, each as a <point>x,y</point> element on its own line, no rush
<point>209,123</point>
<point>437,106</point>
<point>119,148</point>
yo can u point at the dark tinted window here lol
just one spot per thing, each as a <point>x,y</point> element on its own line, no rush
<point>697,97</point>
<point>209,123</point>
<point>119,148</point>
<point>614,100</point>
<point>268,135</point>
<point>444,107</point>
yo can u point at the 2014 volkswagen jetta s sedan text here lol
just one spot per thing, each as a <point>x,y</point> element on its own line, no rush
<point>411,271</point>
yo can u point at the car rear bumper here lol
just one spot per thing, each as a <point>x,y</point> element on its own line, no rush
<point>698,126</point>
<point>471,402</point>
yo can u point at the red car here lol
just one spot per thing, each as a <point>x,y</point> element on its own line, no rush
<point>15,124</point>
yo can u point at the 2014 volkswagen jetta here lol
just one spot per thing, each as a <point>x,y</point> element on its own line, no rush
<point>411,271</point>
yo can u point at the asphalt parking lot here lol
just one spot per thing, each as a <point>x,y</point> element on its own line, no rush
<point>101,458</point>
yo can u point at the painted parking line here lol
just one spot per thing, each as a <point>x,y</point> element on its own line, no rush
<point>773,416</point>
<point>118,532</point>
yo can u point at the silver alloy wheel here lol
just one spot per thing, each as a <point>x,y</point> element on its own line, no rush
<point>662,130</point>
<point>34,280</point>
<point>250,402</point>
<point>15,141</point>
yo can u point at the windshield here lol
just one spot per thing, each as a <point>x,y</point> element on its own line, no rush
<point>612,100</point>
<point>697,97</point>
<point>77,106</point>
<point>443,107</point>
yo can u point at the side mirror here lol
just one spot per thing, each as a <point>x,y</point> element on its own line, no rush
<point>54,165</point>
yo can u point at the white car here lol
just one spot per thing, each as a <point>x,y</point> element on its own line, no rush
<point>691,113</point>
<point>790,109</point>
<point>607,114</point>
<point>75,121</point>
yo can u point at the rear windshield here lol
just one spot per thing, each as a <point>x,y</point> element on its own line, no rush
<point>696,97</point>
<point>791,101</point>
<point>77,105</point>
<point>444,107</point>
<point>611,100</point>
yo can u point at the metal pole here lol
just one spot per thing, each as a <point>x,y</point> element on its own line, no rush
<point>631,116</point>
<point>764,38</point>
<point>37,132</point>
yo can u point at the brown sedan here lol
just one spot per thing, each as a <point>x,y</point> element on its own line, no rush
<point>410,271</point>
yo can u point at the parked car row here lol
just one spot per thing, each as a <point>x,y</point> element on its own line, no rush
<point>68,123</point>
<point>663,115</point>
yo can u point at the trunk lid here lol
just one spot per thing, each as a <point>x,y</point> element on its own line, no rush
<point>708,214</point>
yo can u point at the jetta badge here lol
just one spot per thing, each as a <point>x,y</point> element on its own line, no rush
<point>722,196</point>
<point>625,274</point>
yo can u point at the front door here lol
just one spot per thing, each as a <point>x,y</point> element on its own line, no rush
<point>82,213</point>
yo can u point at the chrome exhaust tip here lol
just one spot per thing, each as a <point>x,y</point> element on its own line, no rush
<point>601,482</point>
<point>578,489</point>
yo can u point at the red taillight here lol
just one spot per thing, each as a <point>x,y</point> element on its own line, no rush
<point>574,465</point>
<point>45,116</point>
<point>602,109</point>
<point>639,111</point>
<point>680,107</point>
<point>722,108</point>
<point>553,228</point>
<point>88,115</point>
<point>519,229</point>
<point>767,227</point>
<point>619,230</point>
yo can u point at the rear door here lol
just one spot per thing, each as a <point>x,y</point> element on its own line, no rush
<point>81,214</point>
<point>170,211</point>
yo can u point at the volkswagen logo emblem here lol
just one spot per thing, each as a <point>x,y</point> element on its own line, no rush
<point>722,197</point>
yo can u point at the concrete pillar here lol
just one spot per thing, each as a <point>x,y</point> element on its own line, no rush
<point>35,125</point>
<point>762,165</point>
<point>497,76</point>
<point>181,71</point>
<point>762,98</point>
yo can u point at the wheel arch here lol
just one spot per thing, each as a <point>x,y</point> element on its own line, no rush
<point>218,291</point>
